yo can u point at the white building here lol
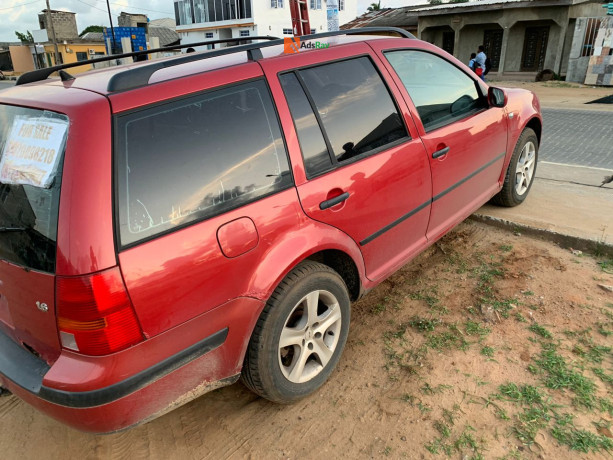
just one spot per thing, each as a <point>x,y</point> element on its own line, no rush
<point>200,20</point>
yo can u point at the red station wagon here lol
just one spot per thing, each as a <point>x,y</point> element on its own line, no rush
<point>170,226</point>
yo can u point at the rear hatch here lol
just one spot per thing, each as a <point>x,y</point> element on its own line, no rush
<point>32,144</point>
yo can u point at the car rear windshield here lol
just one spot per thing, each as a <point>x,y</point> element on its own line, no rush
<point>32,144</point>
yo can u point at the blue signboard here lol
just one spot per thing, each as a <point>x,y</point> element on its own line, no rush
<point>135,34</point>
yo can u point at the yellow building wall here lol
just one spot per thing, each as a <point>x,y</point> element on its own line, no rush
<point>69,54</point>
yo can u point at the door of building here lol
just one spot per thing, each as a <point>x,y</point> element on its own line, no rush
<point>448,41</point>
<point>492,41</point>
<point>535,47</point>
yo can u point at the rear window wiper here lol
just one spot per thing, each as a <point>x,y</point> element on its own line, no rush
<point>12,229</point>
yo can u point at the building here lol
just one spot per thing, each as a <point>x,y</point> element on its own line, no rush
<point>521,37</point>
<point>200,20</point>
<point>64,24</point>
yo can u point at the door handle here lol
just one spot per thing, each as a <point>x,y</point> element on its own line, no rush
<point>440,153</point>
<point>333,201</point>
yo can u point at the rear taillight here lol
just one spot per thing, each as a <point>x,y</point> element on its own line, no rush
<point>95,315</point>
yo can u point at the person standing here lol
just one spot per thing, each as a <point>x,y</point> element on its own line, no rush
<point>471,63</point>
<point>480,61</point>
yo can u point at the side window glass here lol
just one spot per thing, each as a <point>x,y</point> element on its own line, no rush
<point>354,106</point>
<point>312,143</point>
<point>441,92</point>
<point>195,158</point>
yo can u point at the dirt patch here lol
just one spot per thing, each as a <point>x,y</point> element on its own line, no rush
<point>489,345</point>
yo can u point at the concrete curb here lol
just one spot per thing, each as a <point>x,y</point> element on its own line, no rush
<point>566,241</point>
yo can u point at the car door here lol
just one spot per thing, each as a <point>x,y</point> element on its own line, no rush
<point>464,137</point>
<point>357,160</point>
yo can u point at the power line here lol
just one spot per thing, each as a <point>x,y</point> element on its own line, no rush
<point>129,7</point>
<point>21,4</point>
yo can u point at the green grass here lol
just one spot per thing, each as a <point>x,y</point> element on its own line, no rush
<point>488,351</point>
<point>521,394</point>
<point>474,328</point>
<point>427,389</point>
<point>447,340</point>
<point>565,432</point>
<point>606,266</point>
<point>602,375</point>
<point>540,330</point>
<point>521,318</point>
<point>423,324</point>
<point>505,247</point>
<point>558,375</point>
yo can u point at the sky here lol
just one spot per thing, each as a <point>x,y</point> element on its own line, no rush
<point>22,15</point>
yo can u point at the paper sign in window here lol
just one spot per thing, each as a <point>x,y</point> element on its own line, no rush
<point>32,151</point>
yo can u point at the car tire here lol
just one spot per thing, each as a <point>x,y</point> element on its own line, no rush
<point>521,171</point>
<point>309,312</point>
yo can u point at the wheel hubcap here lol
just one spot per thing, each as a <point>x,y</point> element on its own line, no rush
<point>310,336</point>
<point>525,168</point>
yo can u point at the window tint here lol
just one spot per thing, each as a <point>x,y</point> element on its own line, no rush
<point>441,92</point>
<point>312,143</point>
<point>198,157</point>
<point>28,213</point>
<point>354,105</point>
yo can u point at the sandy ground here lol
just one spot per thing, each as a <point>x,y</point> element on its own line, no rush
<point>421,374</point>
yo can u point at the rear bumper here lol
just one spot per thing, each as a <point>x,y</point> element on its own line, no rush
<point>109,393</point>
<point>25,370</point>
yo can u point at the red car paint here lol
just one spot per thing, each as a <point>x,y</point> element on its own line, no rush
<point>217,274</point>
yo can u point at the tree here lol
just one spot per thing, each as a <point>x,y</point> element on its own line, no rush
<point>92,29</point>
<point>25,38</point>
<point>375,6</point>
<point>435,2</point>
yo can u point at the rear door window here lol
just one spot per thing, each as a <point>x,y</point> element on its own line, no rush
<point>32,144</point>
<point>197,157</point>
<point>352,107</point>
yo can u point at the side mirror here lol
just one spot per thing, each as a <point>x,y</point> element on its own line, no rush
<point>496,97</point>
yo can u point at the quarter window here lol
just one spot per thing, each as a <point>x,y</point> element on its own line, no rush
<point>354,107</point>
<point>195,158</point>
<point>441,92</point>
<point>312,143</point>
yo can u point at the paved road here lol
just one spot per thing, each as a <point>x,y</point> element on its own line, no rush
<point>578,137</point>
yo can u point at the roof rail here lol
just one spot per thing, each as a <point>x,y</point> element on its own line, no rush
<point>43,74</point>
<point>139,76</point>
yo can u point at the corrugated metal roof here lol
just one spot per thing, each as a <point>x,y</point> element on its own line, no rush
<point>479,3</point>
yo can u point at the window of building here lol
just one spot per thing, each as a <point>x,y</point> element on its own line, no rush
<point>209,35</point>
<point>227,151</point>
<point>244,33</point>
<point>81,56</point>
<point>288,32</point>
<point>316,4</point>
<point>351,104</point>
<point>313,31</point>
<point>591,31</point>
<point>341,5</point>
<point>441,92</point>
<point>201,11</point>
<point>276,3</point>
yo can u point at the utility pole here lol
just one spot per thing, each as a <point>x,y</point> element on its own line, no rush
<point>108,7</point>
<point>50,25</point>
